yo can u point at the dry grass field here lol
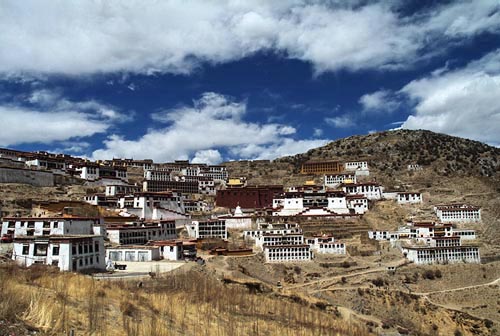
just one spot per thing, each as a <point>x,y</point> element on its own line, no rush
<point>190,302</point>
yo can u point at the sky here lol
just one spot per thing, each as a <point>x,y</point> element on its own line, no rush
<point>212,81</point>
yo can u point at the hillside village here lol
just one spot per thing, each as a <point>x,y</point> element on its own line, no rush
<point>302,227</point>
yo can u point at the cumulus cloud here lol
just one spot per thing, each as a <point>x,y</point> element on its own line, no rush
<point>209,156</point>
<point>213,122</point>
<point>46,117</point>
<point>82,37</point>
<point>461,102</point>
<point>379,101</point>
<point>343,121</point>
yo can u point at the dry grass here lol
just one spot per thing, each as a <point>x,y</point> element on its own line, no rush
<point>185,303</point>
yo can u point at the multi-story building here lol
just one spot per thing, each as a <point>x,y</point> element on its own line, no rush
<point>321,167</point>
<point>356,165</point>
<point>326,244</point>
<point>212,228</point>
<point>68,252</point>
<point>442,251</point>
<point>310,203</point>
<point>279,239</point>
<point>371,190</point>
<point>427,242</point>
<point>272,229</point>
<point>121,189</point>
<point>94,171</point>
<point>141,233</point>
<point>334,180</point>
<point>288,253</point>
<point>409,197</point>
<point>154,205</point>
<point>49,226</point>
<point>250,197</point>
<point>458,212</point>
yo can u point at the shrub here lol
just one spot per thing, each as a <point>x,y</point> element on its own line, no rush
<point>379,282</point>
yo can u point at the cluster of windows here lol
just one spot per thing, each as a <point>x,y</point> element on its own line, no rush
<point>288,254</point>
<point>470,254</point>
<point>282,240</point>
<point>84,248</point>
<point>461,214</point>
<point>333,179</point>
<point>447,242</point>
<point>322,167</point>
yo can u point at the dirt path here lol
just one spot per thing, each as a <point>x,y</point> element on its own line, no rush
<point>494,282</point>
<point>397,263</point>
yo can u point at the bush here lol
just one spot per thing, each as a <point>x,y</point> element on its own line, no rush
<point>429,274</point>
<point>379,282</point>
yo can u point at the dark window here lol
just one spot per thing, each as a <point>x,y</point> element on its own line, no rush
<point>26,249</point>
<point>55,250</point>
<point>41,249</point>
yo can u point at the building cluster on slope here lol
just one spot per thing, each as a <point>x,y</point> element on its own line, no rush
<point>149,216</point>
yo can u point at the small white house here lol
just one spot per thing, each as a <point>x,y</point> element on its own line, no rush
<point>326,244</point>
<point>409,198</point>
<point>371,190</point>
<point>68,253</point>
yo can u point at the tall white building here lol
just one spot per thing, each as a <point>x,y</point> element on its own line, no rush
<point>212,228</point>
<point>458,212</point>
<point>371,190</point>
<point>71,244</point>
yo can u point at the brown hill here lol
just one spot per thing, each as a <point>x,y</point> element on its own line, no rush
<point>453,170</point>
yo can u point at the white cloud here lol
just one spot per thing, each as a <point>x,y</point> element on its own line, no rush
<point>379,101</point>
<point>317,132</point>
<point>209,156</point>
<point>84,37</point>
<point>47,117</point>
<point>461,102</point>
<point>343,121</point>
<point>212,123</point>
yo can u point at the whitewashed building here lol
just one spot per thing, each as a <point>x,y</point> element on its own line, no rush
<point>334,180</point>
<point>358,203</point>
<point>371,190</point>
<point>310,203</point>
<point>287,253</point>
<point>121,189</point>
<point>49,226</point>
<point>154,205</point>
<point>141,233</point>
<point>326,244</point>
<point>360,168</point>
<point>443,251</point>
<point>238,220</point>
<point>212,228</point>
<point>68,253</point>
<point>276,229</point>
<point>176,250</point>
<point>409,198</point>
<point>277,239</point>
<point>458,212</point>
<point>133,253</point>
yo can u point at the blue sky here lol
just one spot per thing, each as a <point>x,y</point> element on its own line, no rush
<point>212,81</point>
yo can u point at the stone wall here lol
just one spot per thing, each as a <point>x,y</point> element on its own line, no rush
<point>26,176</point>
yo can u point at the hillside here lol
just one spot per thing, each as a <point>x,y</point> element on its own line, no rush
<point>453,170</point>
